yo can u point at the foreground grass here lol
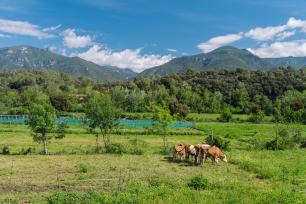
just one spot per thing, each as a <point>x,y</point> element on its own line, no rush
<point>251,176</point>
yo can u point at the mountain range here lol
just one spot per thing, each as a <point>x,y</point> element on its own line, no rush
<point>226,57</point>
<point>27,57</point>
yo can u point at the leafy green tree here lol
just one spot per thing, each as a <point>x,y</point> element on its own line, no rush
<point>162,121</point>
<point>101,114</point>
<point>176,108</point>
<point>42,121</point>
<point>118,96</point>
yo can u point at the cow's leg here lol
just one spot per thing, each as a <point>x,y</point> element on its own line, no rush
<point>174,156</point>
<point>204,157</point>
<point>216,160</point>
<point>201,156</point>
<point>187,155</point>
<point>196,159</point>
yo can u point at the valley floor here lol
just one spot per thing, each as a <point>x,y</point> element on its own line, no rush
<point>73,171</point>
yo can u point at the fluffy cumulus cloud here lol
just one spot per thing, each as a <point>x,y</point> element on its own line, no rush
<point>219,41</point>
<point>264,34</point>
<point>271,39</point>
<point>281,49</point>
<point>23,28</point>
<point>123,59</point>
<point>72,40</point>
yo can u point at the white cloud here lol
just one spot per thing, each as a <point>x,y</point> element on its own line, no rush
<point>23,28</point>
<point>123,59</point>
<point>281,49</point>
<point>71,40</point>
<point>296,23</point>
<point>52,28</point>
<point>52,48</point>
<point>172,50</point>
<point>219,41</point>
<point>268,36</point>
<point>264,34</point>
<point>284,35</point>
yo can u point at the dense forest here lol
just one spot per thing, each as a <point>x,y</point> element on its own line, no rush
<point>281,92</point>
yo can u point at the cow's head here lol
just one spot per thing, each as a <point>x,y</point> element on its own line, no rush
<point>224,158</point>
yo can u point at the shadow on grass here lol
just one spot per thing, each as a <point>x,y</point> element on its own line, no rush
<point>170,159</point>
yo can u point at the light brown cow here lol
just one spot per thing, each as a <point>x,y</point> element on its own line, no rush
<point>179,151</point>
<point>201,152</point>
<point>191,152</point>
<point>215,154</point>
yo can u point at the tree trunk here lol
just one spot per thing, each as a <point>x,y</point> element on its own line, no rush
<point>165,142</point>
<point>45,147</point>
<point>106,140</point>
<point>97,142</point>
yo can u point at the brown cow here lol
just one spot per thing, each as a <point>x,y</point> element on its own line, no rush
<point>179,151</point>
<point>215,154</point>
<point>191,151</point>
<point>201,152</point>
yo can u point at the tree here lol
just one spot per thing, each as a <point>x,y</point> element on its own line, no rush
<point>103,115</point>
<point>177,108</point>
<point>162,121</point>
<point>42,121</point>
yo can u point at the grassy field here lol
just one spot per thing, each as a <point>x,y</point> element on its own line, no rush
<point>197,117</point>
<point>74,171</point>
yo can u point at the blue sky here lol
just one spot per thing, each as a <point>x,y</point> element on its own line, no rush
<point>139,34</point>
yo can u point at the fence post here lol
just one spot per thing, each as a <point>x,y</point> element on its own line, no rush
<point>11,174</point>
<point>119,181</point>
<point>58,181</point>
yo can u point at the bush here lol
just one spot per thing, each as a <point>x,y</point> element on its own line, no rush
<point>116,148</point>
<point>83,168</point>
<point>180,109</point>
<point>6,150</point>
<point>256,117</point>
<point>198,183</point>
<point>27,151</point>
<point>285,139</point>
<point>217,141</point>
<point>226,116</point>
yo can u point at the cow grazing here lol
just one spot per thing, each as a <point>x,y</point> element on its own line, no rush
<point>179,151</point>
<point>190,152</point>
<point>201,150</point>
<point>215,154</point>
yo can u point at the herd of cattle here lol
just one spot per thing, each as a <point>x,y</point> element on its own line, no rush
<point>198,153</point>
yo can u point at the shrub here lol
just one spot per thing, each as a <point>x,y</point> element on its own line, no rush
<point>178,108</point>
<point>83,168</point>
<point>226,116</point>
<point>27,151</point>
<point>217,141</point>
<point>256,117</point>
<point>6,150</point>
<point>115,148</point>
<point>285,139</point>
<point>198,183</point>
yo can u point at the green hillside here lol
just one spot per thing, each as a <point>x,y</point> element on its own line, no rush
<point>27,57</point>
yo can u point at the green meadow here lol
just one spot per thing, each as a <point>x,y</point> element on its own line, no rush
<point>75,172</point>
